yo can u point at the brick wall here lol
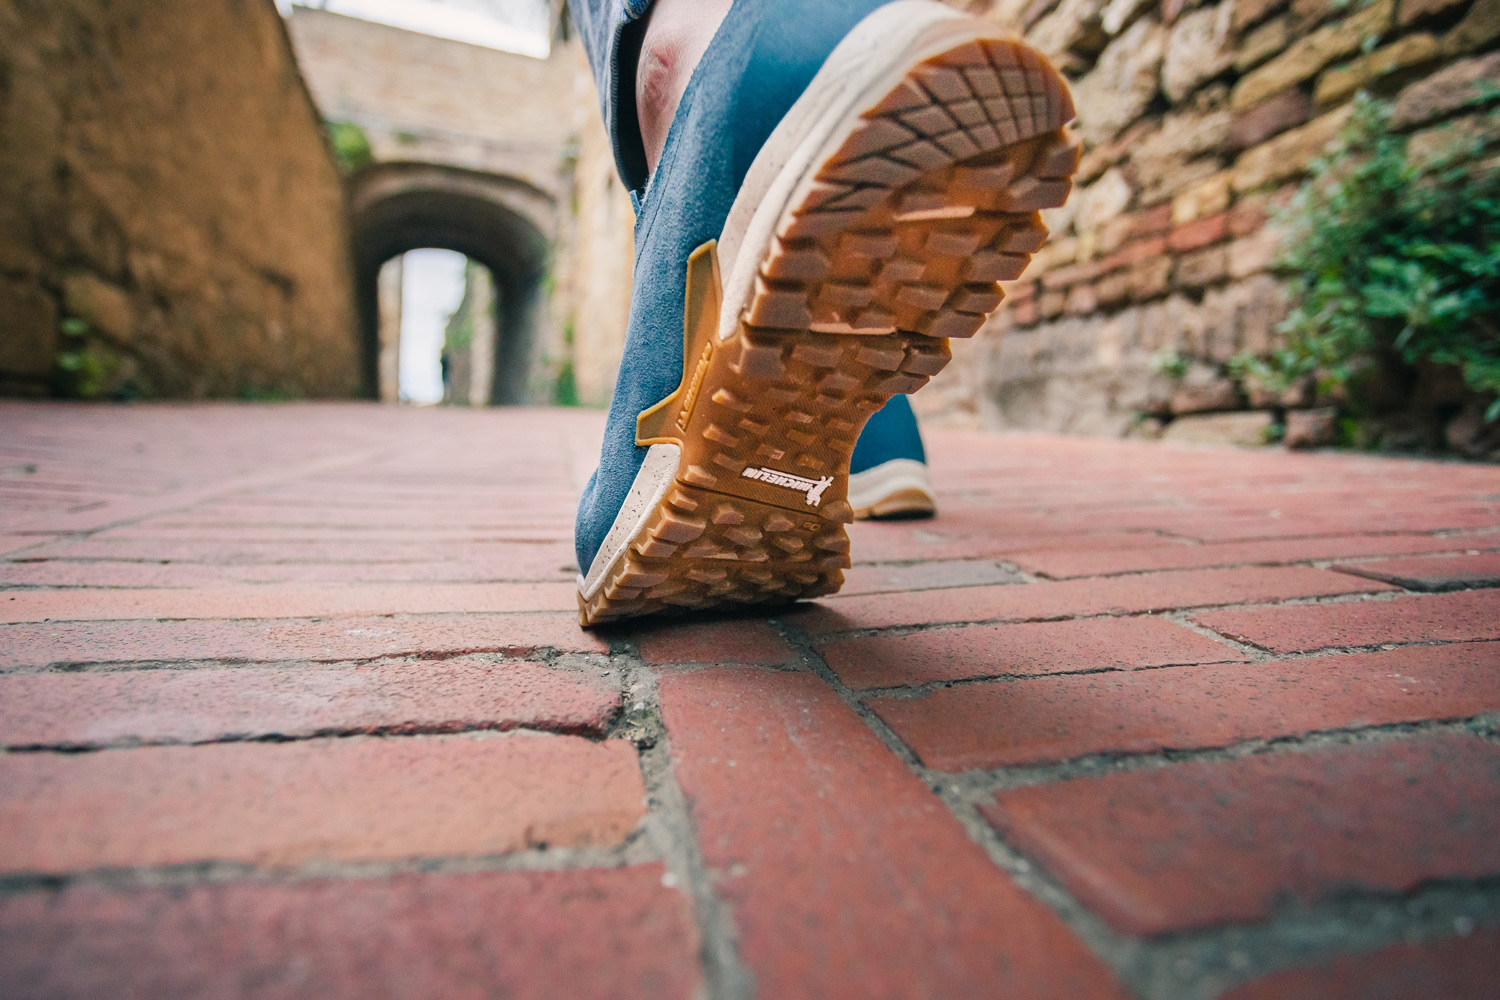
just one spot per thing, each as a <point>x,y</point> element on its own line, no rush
<point>171,221</point>
<point>1198,119</point>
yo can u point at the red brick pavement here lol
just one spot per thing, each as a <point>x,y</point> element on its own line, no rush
<point>294,703</point>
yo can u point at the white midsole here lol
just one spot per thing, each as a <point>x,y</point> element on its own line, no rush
<point>867,489</point>
<point>862,68</point>
<point>646,492</point>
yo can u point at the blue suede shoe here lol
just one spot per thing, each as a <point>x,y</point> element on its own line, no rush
<point>888,475</point>
<point>840,193</point>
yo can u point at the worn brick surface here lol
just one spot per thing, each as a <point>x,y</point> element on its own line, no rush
<point>1170,848</point>
<point>1456,968</point>
<point>1053,718</point>
<point>1068,598</point>
<point>1477,569</point>
<point>337,639</point>
<point>185,706</point>
<point>845,875</point>
<point>1025,648</point>
<point>735,641</point>
<point>285,602</point>
<point>543,935</point>
<point>1442,617</point>
<point>351,799</point>
<point>337,620</point>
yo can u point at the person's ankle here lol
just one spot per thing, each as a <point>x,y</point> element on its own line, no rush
<point>676,36</point>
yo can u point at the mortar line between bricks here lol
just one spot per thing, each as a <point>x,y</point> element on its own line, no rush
<point>633,850</point>
<point>1389,593</point>
<point>546,655</point>
<point>986,782</point>
<point>391,731</point>
<point>911,692</point>
<point>1330,563</point>
<point>670,827</point>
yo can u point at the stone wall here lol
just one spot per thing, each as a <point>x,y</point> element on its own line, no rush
<point>597,253</point>
<point>171,220</point>
<point>1198,120</point>
<point>432,100</point>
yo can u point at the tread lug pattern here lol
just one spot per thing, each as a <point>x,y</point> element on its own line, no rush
<point>895,246</point>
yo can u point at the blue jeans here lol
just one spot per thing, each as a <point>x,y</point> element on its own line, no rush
<point>602,26</point>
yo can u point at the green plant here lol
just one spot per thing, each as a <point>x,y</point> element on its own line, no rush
<point>1391,255</point>
<point>351,147</point>
<point>565,389</point>
<point>1170,363</point>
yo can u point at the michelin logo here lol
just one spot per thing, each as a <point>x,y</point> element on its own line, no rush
<point>812,487</point>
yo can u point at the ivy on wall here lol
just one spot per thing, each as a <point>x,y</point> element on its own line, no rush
<point>1391,255</point>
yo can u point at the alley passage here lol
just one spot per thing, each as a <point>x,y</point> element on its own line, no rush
<point>294,703</point>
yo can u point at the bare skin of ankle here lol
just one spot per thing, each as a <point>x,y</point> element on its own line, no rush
<point>677,35</point>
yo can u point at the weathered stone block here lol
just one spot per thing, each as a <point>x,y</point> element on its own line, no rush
<point>1412,11</point>
<point>1183,135</point>
<point>1262,43</point>
<point>1052,304</point>
<point>1120,14</point>
<point>1289,154</point>
<point>1211,397</point>
<point>1122,84</point>
<point>1312,428</point>
<point>1205,198</point>
<point>1255,253</point>
<point>103,306</point>
<point>1113,289</point>
<point>1199,233</point>
<point>1341,82</point>
<point>1102,201</point>
<point>1082,300</point>
<point>1150,278</point>
<point>1073,28</point>
<point>1270,118</point>
<point>1249,12</point>
<point>1201,267</point>
<point>1298,395</point>
<point>1309,55</point>
<point>1480,27</point>
<point>1264,305</point>
<point>1481,129</point>
<point>1248,429</point>
<point>1198,49</point>
<point>1448,90</point>
<point>28,330</point>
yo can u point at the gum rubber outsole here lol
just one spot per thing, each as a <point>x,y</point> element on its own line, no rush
<point>897,244</point>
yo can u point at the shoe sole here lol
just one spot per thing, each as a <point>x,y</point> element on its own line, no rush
<point>891,239</point>
<point>900,488</point>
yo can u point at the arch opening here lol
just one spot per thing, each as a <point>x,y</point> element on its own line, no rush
<point>496,222</point>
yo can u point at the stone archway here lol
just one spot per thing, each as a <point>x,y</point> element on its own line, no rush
<point>500,222</point>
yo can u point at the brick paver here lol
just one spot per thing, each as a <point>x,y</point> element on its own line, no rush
<point>1461,968</point>
<point>289,803</point>
<point>1211,841</point>
<point>1036,720</point>
<point>189,706</point>
<point>294,702</point>
<point>1442,618</point>
<point>533,935</point>
<point>1022,649</point>
<point>1469,569</point>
